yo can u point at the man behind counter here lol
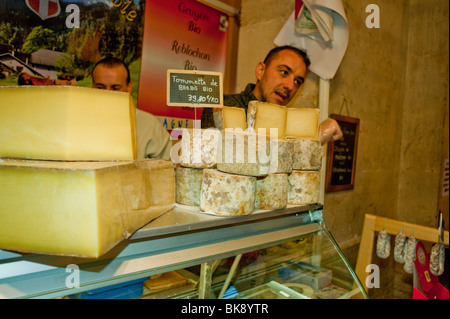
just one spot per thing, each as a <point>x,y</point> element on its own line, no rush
<point>153,141</point>
<point>278,78</point>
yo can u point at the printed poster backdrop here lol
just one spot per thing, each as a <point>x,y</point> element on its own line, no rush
<point>59,41</point>
<point>184,35</point>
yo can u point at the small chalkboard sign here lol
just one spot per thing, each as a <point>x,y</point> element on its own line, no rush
<point>341,156</point>
<point>194,88</point>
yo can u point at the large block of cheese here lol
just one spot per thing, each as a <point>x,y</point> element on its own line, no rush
<point>245,153</point>
<point>227,194</point>
<point>200,147</point>
<point>234,117</point>
<point>267,116</point>
<point>307,154</point>
<point>302,122</point>
<point>66,123</point>
<point>80,208</point>
<point>272,191</point>
<point>304,187</point>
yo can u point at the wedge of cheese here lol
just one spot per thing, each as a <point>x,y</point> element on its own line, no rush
<point>267,117</point>
<point>234,117</point>
<point>66,123</point>
<point>80,208</point>
<point>302,122</point>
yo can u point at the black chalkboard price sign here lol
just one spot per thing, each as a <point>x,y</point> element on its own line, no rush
<point>341,155</point>
<point>194,88</point>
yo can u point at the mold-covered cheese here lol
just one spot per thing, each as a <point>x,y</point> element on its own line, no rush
<point>200,147</point>
<point>188,185</point>
<point>244,153</point>
<point>307,154</point>
<point>272,191</point>
<point>227,194</point>
<point>304,187</point>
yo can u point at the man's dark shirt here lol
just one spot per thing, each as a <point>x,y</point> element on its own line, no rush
<point>237,100</point>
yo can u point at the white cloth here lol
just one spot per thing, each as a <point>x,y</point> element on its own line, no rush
<point>327,43</point>
<point>153,140</point>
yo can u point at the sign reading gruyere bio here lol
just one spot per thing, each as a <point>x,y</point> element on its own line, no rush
<point>194,88</point>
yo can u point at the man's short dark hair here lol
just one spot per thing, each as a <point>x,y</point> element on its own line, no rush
<point>299,52</point>
<point>111,62</point>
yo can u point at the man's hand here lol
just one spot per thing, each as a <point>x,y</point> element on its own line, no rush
<point>329,130</point>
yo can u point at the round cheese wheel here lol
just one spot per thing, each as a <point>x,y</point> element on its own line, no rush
<point>304,187</point>
<point>244,153</point>
<point>199,147</point>
<point>272,191</point>
<point>227,194</point>
<point>188,185</point>
<point>306,154</point>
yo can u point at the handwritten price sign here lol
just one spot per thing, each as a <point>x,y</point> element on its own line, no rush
<point>194,88</point>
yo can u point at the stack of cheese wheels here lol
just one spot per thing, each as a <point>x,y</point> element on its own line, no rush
<point>266,159</point>
<point>69,178</point>
<point>298,129</point>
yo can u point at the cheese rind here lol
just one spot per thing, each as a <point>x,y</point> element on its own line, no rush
<point>272,191</point>
<point>307,154</point>
<point>244,153</point>
<point>67,123</point>
<point>227,194</point>
<point>80,208</point>
<point>302,122</point>
<point>281,156</point>
<point>304,187</point>
<point>188,184</point>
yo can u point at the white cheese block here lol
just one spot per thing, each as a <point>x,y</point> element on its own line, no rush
<point>244,153</point>
<point>227,194</point>
<point>307,154</point>
<point>268,117</point>
<point>304,187</point>
<point>234,117</point>
<point>188,185</point>
<point>272,191</point>
<point>200,147</point>
<point>80,208</point>
<point>66,123</point>
<point>302,122</point>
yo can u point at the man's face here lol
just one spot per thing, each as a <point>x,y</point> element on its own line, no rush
<point>279,80</point>
<point>111,78</point>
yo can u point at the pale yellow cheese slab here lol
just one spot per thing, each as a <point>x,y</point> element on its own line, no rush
<point>302,122</point>
<point>267,117</point>
<point>234,117</point>
<point>80,208</point>
<point>66,123</point>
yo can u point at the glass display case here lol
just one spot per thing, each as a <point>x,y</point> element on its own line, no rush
<point>187,254</point>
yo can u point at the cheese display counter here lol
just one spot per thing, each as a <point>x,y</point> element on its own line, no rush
<point>184,253</point>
